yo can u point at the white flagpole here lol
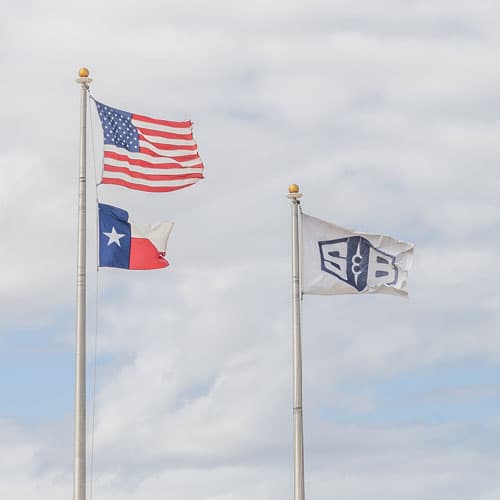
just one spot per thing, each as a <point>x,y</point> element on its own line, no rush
<point>79,471</point>
<point>298,428</point>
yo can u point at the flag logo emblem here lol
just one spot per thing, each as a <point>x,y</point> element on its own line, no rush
<point>355,261</point>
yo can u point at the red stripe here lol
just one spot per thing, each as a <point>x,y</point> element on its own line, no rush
<point>152,177</point>
<point>166,135</point>
<point>168,147</point>
<point>140,187</point>
<point>144,255</point>
<point>166,123</point>
<point>143,163</point>
<point>179,159</point>
<point>176,160</point>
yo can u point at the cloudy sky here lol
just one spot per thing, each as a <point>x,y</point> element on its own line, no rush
<point>387,114</point>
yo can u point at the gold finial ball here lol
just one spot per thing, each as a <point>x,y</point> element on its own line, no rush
<point>83,72</point>
<point>293,189</point>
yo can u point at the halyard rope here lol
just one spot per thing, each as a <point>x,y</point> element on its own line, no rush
<point>92,431</point>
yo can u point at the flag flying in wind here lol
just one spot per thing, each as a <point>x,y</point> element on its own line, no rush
<point>128,245</point>
<point>146,153</point>
<point>339,261</point>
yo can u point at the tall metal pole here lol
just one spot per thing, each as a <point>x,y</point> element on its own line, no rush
<point>298,428</point>
<point>79,471</point>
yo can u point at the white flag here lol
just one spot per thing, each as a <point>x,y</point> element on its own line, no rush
<point>339,261</point>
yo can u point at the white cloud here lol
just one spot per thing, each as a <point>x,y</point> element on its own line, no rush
<point>385,114</point>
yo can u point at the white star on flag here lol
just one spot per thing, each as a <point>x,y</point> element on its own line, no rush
<point>114,237</point>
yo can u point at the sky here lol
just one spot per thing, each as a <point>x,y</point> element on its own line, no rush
<point>386,114</point>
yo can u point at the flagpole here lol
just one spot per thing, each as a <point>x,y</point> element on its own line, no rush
<point>298,429</point>
<point>79,471</point>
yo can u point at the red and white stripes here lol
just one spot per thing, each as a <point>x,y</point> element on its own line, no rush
<point>167,160</point>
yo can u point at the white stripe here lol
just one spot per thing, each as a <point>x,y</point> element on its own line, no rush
<point>150,159</point>
<point>156,233</point>
<point>166,140</point>
<point>146,182</point>
<point>161,128</point>
<point>170,153</point>
<point>156,171</point>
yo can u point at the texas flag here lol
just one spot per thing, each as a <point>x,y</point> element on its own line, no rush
<point>128,245</point>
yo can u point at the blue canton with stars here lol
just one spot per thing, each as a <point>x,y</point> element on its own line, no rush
<point>117,127</point>
<point>114,237</point>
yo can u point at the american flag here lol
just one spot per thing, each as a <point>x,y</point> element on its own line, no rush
<point>146,153</point>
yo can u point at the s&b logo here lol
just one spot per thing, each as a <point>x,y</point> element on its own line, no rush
<point>357,262</point>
